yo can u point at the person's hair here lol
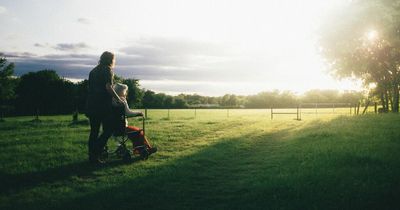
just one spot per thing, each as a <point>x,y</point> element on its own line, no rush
<point>107,59</point>
<point>120,89</point>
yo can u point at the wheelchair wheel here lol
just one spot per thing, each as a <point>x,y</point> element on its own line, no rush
<point>144,154</point>
<point>121,150</point>
<point>127,157</point>
<point>104,154</point>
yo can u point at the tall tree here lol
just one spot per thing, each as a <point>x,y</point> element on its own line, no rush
<point>44,92</point>
<point>363,41</point>
<point>148,99</point>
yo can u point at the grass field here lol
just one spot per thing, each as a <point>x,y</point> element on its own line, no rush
<point>210,159</point>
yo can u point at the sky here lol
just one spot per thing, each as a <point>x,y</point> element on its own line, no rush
<point>207,47</point>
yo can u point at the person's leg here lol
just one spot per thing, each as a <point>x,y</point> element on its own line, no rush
<point>106,134</point>
<point>150,149</point>
<point>132,128</point>
<point>146,142</point>
<point>94,133</point>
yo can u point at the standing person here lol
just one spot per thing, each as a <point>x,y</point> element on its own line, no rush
<point>99,105</point>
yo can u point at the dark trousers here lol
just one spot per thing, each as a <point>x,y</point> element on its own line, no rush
<point>97,143</point>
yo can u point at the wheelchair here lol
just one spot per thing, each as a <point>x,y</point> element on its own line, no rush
<point>121,135</point>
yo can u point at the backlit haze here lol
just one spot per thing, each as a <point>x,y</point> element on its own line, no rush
<point>205,47</point>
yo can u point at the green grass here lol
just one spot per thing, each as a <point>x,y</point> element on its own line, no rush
<point>208,161</point>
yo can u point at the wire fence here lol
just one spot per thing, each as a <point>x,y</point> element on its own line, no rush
<point>299,112</point>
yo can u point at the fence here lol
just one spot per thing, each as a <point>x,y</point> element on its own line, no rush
<point>297,113</point>
<point>302,110</point>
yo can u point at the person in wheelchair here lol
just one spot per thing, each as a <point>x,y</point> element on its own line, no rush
<point>135,134</point>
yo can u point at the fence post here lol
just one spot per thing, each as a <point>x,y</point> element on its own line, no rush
<point>358,108</point>
<point>145,113</point>
<point>350,108</point>
<point>272,113</point>
<point>316,109</point>
<point>37,115</point>
<point>376,107</point>
<point>298,112</point>
<point>75,117</point>
<point>168,113</point>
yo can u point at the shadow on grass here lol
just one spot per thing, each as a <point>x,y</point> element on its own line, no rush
<point>83,170</point>
<point>287,169</point>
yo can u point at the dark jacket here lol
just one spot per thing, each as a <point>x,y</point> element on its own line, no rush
<point>99,100</point>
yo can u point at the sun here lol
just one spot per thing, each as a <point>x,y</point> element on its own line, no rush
<point>372,35</point>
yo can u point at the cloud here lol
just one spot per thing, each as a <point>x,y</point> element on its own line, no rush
<point>41,45</point>
<point>3,10</point>
<point>174,55</point>
<point>203,64</point>
<point>85,21</point>
<point>19,55</point>
<point>71,46</point>
<point>191,60</point>
<point>151,59</point>
<point>176,47</point>
<point>68,65</point>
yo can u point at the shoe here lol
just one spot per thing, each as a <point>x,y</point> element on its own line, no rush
<point>152,150</point>
<point>97,162</point>
<point>96,159</point>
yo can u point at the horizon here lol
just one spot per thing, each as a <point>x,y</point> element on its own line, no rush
<point>172,47</point>
<point>271,90</point>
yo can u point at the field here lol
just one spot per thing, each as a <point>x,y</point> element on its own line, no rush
<point>209,159</point>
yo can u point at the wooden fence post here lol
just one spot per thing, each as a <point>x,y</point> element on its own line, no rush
<point>298,113</point>
<point>145,113</point>
<point>272,113</point>
<point>37,115</point>
<point>350,108</point>
<point>376,107</point>
<point>316,109</point>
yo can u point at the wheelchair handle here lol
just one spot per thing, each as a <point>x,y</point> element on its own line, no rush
<point>143,124</point>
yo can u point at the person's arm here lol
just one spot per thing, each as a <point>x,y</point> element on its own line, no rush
<point>129,112</point>
<point>109,81</point>
<point>112,92</point>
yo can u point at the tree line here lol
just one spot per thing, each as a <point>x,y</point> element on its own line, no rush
<point>46,93</point>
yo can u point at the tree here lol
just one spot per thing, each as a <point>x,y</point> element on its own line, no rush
<point>81,93</point>
<point>169,102</point>
<point>363,41</point>
<point>180,103</point>
<point>44,92</point>
<point>7,84</point>
<point>148,99</point>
